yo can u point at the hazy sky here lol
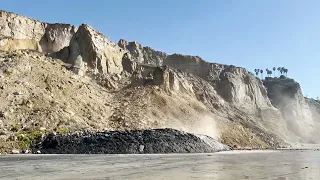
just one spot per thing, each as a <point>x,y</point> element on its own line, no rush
<point>248,33</point>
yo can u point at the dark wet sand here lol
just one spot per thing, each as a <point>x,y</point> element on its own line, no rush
<point>262,165</point>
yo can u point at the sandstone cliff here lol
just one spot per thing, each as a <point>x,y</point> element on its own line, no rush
<point>19,32</point>
<point>229,84</point>
<point>314,106</point>
<point>286,95</point>
<point>144,55</point>
<point>127,86</point>
<point>97,51</point>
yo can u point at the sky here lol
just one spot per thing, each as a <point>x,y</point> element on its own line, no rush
<point>247,33</point>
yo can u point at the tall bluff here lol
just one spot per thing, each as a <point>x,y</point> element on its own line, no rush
<point>266,123</point>
<point>63,41</point>
<point>286,95</point>
<point>228,91</point>
<point>20,32</point>
<point>235,85</point>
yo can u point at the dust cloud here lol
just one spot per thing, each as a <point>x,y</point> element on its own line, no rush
<point>204,124</point>
<point>298,116</point>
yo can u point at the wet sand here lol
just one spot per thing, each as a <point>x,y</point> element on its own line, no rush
<point>278,165</point>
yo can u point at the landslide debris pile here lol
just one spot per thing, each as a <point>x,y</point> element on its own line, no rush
<point>126,142</point>
<point>62,78</point>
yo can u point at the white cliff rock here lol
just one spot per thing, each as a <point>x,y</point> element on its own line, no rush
<point>20,32</point>
<point>97,51</point>
<point>286,95</point>
<point>143,55</point>
<point>234,84</point>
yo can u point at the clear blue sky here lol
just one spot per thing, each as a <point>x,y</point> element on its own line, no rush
<point>248,33</point>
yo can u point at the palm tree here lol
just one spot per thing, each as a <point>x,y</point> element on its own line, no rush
<point>279,69</point>
<point>286,72</point>
<point>274,71</point>
<point>282,70</point>
<point>267,70</point>
<point>261,71</point>
<point>257,71</point>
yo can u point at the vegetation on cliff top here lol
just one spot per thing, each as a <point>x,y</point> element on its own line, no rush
<point>281,71</point>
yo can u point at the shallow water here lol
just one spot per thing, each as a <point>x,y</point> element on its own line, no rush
<point>280,165</point>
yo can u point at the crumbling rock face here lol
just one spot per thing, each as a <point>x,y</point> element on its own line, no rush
<point>134,48</point>
<point>56,37</point>
<point>20,27</point>
<point>286,95</point>
<point>235,85</point>
<point>143,55</point>
<point>191,64</point>
<point>78,66</point>
<point>315,110</point>
<point>19,32</point>
<point>128,63</point>
<point>163,76</point>
<point>97,51</point>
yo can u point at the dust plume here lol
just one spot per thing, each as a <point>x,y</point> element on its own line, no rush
<point>298,116</point>
<point>204,124</point>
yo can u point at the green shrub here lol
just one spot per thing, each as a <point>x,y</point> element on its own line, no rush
<point>24,141</point>
<point>63,131</point>
<point>27,139</point>
<point>16,128</point>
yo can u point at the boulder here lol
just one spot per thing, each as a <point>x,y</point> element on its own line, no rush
<point>15,151</point>
<point>78,66</point>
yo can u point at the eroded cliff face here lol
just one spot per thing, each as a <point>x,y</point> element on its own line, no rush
<point>143,55</point>
<point>315,110</point>
<point>132,87</point>
<point>234,84</point>
<point>286,95</point>
<point>100,54</point>
<point>56,37</point>
<point>264,120</point>
<point>19,32</point>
